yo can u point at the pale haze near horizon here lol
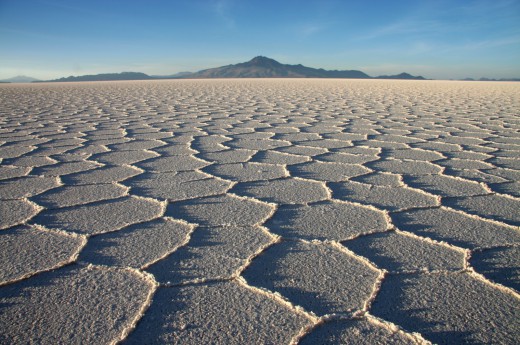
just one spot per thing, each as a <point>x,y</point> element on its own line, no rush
<point>437,39</point>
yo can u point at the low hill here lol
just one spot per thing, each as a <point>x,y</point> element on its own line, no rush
<point>19,79</point>
<point>401,76</point>
<point>106,77</point>
<point>173,76</point>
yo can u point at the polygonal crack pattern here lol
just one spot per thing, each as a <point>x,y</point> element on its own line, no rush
<point>467,314</point>
<point>320,278</point>
<point>355,331</point>
<point>216,313</point>
<point>59,301</point>
<point>260,211</point>
<point>333,221</point>
<point>211,253</point>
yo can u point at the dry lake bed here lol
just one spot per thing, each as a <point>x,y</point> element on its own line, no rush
<point>260,212</point>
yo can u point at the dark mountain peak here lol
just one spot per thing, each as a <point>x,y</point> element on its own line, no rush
<point>262,61</point>
<point>264,67</point>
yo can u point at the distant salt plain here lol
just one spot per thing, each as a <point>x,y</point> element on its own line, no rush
<point>263,211</point>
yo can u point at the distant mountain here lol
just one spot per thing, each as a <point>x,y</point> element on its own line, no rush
<point>106,77</point>
<point>20,79</point>
<point>263,67</point>
<point>490,79</point>
<point>502,79</point>
<point>401,76</point>
<point>173,76</point>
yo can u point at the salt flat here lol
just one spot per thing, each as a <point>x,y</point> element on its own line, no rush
<point>263,211</point>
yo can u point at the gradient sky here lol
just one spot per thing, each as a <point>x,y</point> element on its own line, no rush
<point>439,39</point>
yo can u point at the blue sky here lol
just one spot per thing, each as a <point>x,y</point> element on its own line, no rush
<point>437,39</point>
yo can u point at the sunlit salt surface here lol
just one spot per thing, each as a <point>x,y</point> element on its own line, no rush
<point>260,211</point>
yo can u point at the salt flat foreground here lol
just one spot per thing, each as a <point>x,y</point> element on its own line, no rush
<point>260,212</point>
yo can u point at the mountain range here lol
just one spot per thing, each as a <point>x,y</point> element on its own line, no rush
<point>258,67</point>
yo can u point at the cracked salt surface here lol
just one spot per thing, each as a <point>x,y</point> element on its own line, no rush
<point>259,211</point>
